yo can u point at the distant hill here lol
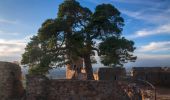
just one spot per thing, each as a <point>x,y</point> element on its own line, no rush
<point>56,73</point>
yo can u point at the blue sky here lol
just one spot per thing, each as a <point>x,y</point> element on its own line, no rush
<point>147,22</point>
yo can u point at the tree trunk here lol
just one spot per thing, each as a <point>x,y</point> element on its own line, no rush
<point>88,67</point>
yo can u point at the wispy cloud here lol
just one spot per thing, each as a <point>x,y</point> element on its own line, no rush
<point>150,60</point>
<point>163,29</point>
<point>154,15</point>
<point>151,11</point>
<point>6,21</point>
<point>12,48</point>
<point>155,47</point>
<point>96,2</point>
<point>152,56</point>
<point>145,2</point>
<point>8,33</point>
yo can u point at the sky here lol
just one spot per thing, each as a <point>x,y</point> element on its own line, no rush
<point>147,23</point>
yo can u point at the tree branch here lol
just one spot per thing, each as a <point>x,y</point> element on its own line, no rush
<point>98,52</point>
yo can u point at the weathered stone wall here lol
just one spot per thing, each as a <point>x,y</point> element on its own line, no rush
<point>165,79</point>
<point>154,75</point>
<point>40,88</point>
<point>36,88</point>
<point>10,81</point>
<point>107,73</point>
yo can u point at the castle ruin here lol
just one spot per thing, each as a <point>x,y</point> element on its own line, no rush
<point>155,75</point>
<point>10,81</point>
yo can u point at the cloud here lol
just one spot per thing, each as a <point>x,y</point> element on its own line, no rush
<point>11,50</point>
<point>163,29</point>
<point>151,15</point>
<point>152,56</point>
<point>5,21</point>
<point>150,60</point>
<point>8,33</point>
<point>163,62</point>
<point>96,2</point>
<point>147,2</point>
<point>155,47</point>
<point>151,11</point>
<point>134,14</point>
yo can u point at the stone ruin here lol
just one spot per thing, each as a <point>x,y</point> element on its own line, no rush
<point>76,71</point>
<point>108,73</point>
<point>10,81</point>
<point>41,88</point>
<point>155,75</point>
<point>109,86</point>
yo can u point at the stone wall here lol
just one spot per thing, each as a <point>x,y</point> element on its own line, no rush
<point>108,73</point>
<point>41,88</point>
<point>10,81</point>
<point>154,75</point>
<point>36,88</point>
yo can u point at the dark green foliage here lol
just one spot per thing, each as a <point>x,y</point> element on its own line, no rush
<point>33,52</point>
<point>116,51</point>
<point>106,22</point>
<point>73,35</point>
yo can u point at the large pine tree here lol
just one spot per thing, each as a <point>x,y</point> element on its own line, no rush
<point>73,35</point>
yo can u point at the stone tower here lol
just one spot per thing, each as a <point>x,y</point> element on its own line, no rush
<point>10,81</point>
